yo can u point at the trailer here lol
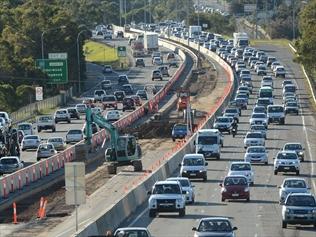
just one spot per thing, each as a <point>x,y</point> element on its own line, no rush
<point>241,40</point>
<point>150,42</point>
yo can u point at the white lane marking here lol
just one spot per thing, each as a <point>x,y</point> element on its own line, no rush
<point>307,142</point>
<point>66,231</point>
<point>138,217</point>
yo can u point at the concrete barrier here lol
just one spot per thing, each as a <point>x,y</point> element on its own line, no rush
<point>115,215</point>
<point>12,183</point>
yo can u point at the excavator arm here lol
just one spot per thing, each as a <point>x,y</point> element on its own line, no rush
<point>102,123</point>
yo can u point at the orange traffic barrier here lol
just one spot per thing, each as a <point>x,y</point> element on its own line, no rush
<point>15,218</point>
<point>43,213</point>
<point>40,208</point>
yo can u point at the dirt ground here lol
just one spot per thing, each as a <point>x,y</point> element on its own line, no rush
<point>202,99</point>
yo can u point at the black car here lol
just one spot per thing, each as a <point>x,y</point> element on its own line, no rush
<point>142,94</point>
<point>122,80</point>
<point>73,113</point>
<point>139,62</point>
<point>120,95</point>
<point>128,104</point>
<point>128,89</point>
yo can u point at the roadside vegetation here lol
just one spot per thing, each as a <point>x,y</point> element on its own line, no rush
<point>99,53</point>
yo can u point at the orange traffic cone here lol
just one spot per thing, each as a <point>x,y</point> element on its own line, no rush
<point>15,218</point>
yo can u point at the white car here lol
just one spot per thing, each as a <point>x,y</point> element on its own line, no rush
<point>132,231</point>
<point>96,110</point>
<point>267,81</point>
<point>74,135</point>
<point>256,154</point>
<point>81,108</point>
<point>214,226</point>
<point>58,143</point>
<point>157,61</point>
<point>98,95</point>
<point>194,166</point>
<point>261,70</point>
<point>287,161</point>
<point>30,142</point>
<point>259,118</point>
<point>275,64</point>
<point>187,187</point>
<point>292,185</point>
<point>112,115</point>
<point>279,71</point>
<point>243,89</point>
<point>62,115</point>
<point>287,82</point>
<point>224,124</point>
<point>259,109</point>
<point>259,128</point>
<point>166,196</point>
<point>254,139</point>
<point>27,128</point>
<point>242,168</point>
<point>6,117</point>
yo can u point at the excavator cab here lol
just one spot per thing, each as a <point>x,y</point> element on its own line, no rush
<point>183,99</point>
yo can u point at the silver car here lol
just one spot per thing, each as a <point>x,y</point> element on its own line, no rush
<point>256,154</point>
<point>45,150</point>
<point>30,142</point>
<point>259,128</point>
<point>214,226</point>
<point>187,187</point>
<point>10,164</point>
<point>292,185</point>
<point>132,231</point>
<point>259,118</point>
<point>295,146</point>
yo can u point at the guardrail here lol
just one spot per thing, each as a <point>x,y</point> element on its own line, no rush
<point>167,165</point>
<point>11,183</point>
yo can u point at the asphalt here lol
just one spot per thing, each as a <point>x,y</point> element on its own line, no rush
<point>138,77</point>
<point>262,215</point>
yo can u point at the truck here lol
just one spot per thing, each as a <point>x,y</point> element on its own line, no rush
<point>208,142</point>
<point>151,42</point>
<point>194,31</point>
<point>137,48</point>
<point>124,150</point>
<point>241,40</point>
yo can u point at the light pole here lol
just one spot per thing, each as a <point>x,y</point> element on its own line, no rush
<point>42,37</point>
<point>293,20</point>
<point>78,58</point>
<point>198,12</point>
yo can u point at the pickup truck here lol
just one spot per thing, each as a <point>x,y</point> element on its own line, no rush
<point>46,122</point>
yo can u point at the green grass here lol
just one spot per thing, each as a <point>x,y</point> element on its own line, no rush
<point>99,53</point>
<point>281,42</point>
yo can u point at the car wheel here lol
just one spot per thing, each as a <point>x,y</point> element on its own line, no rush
<point>284,224</point>
<point>297,172</point>
<point>275,172</point>
<point>23,149</point>
<point>252,183</point>
<point>152,213</point>
<point>223,199</point>
<point>56,121</point>
<point>182,212</point>
<point>68,121</point>
<point>205,179</point>
<point>54,130</point>
<point>39,130</point>
<point>266,163</point>
<point>173,139</point>
<point>248,199</point>
<point>302,160</point>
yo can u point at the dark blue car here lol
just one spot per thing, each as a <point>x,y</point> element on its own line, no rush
<point>179,131</point>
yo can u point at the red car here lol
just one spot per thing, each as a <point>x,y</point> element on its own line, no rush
<point>235,187</point>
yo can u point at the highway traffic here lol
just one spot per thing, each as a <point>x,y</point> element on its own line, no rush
<point>262,215</point>
<point>139,77</point>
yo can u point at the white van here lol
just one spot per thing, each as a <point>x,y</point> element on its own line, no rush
<point>208,142</point>
<point>27,128</point>
<point>194,166</point>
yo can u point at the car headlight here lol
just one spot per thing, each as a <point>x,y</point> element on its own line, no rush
<point>201,171</point>
<point>179,201</point>
<point>184,171</point>
<point>224,189</point>
<point>289,211</point>
<point>246,190</point>
<point>153,203</point>
<point>300,153</point>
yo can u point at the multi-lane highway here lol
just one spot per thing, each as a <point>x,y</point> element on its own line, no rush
<point>138,77</point>
<point>262,215</point>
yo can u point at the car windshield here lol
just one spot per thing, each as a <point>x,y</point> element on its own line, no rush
<point>275,109</point>
<point>71,110</point>
<point>180,127</point>
<point>240,167</point>
<point>300,200</point>
<point>166,189</point>
<point>132,233</point>
<point>184,182</point>
<point>81,106</point>
<point>30,137</point>
<point>74,132</point>
<point>258,116</point>
<point>61,112</point>
<point>229,181</point>
<point>193,162</point>
<point>24,126</point>
<point>99,93</point>
<point>256,150</point>
<point>45,147</point>
<point>109,98</point>
<point>106,82</point>
<point>294,183</point>
<point>242,96</point>
<point>207,140</point>
<point>258,128</point>
<point>259,109</point>
<point>231,111</point>
<point>294,104</point>
<point>254,135</point>
<point>215,226</point>
<point>55,140</point>
<point>45,119</point>
<point>293,147</point>
<point>8,161</point>
<point>223,120</point>
<point>286,156</point>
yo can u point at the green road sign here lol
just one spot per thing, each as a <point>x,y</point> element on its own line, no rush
<point>121,51</point>
<point>56,69</point>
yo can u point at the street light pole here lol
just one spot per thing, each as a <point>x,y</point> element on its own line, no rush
<point>78,58</point>
<point>293,20</point>
<point>42,42</point>
<point>198,9</point>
